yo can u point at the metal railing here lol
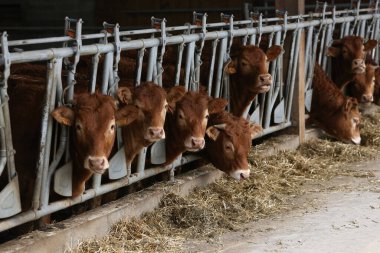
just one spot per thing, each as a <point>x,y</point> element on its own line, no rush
<point>272,110</point>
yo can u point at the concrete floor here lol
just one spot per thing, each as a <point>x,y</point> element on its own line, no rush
<point>340,215</point>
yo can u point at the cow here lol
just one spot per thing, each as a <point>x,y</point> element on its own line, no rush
<point>93,121</point>
<point>333,112</point>
<point>348,58</point>
<point>228,142</point>
<point>362,85</point>
<point>248,70</point>
<point>376,93</point>
<point>152,103</point>
<point>186,124</point>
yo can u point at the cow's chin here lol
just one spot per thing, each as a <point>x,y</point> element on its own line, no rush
<point>358,70</point>
<point>97,171</point>
<point>190,149</point>
<point>153,139</point>
<point>240,174</point>
<point>263,88</point>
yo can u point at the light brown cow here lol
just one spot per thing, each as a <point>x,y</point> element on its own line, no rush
<point>336,114</point>
<point>153,103</point>
<point>249,75</point>
<point>186,125</point>
<point>348,56</point>
<point>362,86</point>
<point>92,119</point>
<point>228,141</point>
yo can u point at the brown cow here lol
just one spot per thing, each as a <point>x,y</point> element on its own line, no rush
<point>249,75</point>
<point>153,103</point>
<point>228,141</point>
<point>186,125</point>
<point>336,114</point>
<point>376,93</point>
<point>348,56</point>
<point>92,120</point>
<point>362,86</point>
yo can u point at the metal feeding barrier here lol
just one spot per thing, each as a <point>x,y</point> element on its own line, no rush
<point>272,110</point>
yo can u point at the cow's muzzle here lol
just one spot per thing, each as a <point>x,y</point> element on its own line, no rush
<point>155,134</point>
<point>264,83</point>
<point>96,164</point>
<point>358,66</point>
<point>240,174</point>
<point>194,144</point>
<point>366,98</point>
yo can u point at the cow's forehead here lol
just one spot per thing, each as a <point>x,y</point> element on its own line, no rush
<point>193,102</point>
<point>149,95</point>
<point>95,109</point>
<point>252,53</point>
<point>353,42</point>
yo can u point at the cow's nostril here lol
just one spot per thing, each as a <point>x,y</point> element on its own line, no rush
<point>103,162</point>
<point>262,79</point>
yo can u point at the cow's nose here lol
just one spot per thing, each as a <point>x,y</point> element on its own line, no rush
<point>197,142</point>
<point>156,133</point>
<point>265,79</point>
<point>358,65</point>
<point>97,164</point>
<point>367,98</point>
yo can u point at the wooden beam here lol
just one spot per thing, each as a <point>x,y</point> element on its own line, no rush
<point>297,7</point>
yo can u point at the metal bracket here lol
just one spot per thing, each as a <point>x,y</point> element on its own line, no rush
<point>160,24</point>
<point>283,20</point>
<point>258,17</point>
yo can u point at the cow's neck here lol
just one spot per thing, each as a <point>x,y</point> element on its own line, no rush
<point>240,96</point>
<point>341,72</point>
<point>174,143</point>
<point>80,175</point>
<point>134,141</point>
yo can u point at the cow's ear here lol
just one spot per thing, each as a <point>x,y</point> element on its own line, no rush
<point>231,67</point>
<point>333,51</point>
<point>369,45</point>
<point>126,115</point>
<point>64,115</point>
<point>255,129</point>
<point>174,95</point>
<point>351,104</point>
<point>216,105</point>
<point>273,52</point>
<point>213,131</point>
<point>124,95</point>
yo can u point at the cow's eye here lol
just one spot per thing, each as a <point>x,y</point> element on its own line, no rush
<point>112,127</point>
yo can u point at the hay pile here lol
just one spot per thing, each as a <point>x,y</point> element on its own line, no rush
<point>227,205</point>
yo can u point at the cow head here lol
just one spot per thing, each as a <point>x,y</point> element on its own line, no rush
<point>352,50</point>
<point>362,86</point>
<point>228,144</point>
<point>344,124</point>
<point>93,119</point>
<point>250,64</point>
<point>190,116</point>
<point>150,100</point>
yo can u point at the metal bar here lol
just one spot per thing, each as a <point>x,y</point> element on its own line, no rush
<point>189,61</point>
<point>219,73</point>
<point>212,64</point>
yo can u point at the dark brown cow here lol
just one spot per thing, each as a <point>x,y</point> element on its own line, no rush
<point>186,125</point>
<point>376,92</point>
<point>92,120</point>
<point>362,86</point>
<point>348,57</point>
<point>336,114</point>
<point>249,75</point>
<point>228,143</point>
<point>152,102</point>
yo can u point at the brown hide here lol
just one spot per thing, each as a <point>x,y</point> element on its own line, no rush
<point>376,93</point>
<point>185,126</point>
<point>92,120</point>
<point>336,114</point>
<point>362,86</point>
<point>26,129</point>
<point>150,99</point>
<point>249,75</point>
<point>228,141</point>
<point>348,58</point>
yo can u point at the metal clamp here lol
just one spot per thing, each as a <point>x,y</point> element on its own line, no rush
<point>5,57</point>
<point>160,24</point>
<point>283,19</point>
<point>258,17</point>
<point>229,19</point>
<point>200,19</point>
